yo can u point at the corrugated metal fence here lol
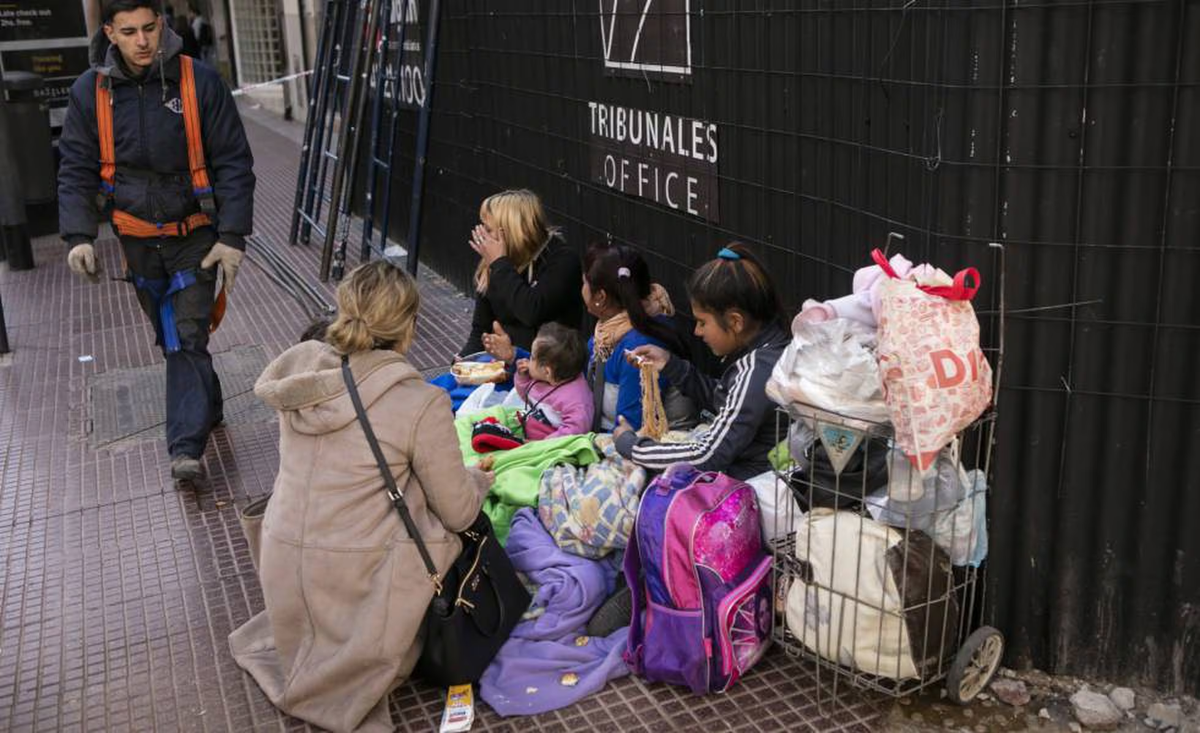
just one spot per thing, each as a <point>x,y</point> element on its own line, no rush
<point>1066,130</point>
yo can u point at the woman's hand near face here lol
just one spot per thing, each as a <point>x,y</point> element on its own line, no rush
<point>488,246</point>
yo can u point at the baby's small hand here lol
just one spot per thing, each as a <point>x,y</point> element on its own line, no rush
<point>523,367</point>
<point>622,427</point>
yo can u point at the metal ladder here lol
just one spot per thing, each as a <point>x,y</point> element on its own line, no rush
<point>387,89</point>
<point>353,49</point>
<point>327,92</point>
<point>345,168</point>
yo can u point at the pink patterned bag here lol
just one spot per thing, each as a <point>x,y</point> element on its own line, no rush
<point>936,379</point>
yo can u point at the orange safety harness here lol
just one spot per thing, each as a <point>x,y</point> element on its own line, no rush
<point>126,223</point>
<point>131,226</point>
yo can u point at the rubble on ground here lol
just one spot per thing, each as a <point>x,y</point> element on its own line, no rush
<point>1035,701</point>
<point>1095,711</point>
<point>1012,692</point>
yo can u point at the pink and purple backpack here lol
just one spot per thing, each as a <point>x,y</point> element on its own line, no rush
<point>696,565</point>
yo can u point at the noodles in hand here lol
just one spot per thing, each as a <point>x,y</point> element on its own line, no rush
<point>654,415</point>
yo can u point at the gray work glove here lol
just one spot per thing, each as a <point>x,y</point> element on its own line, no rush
<point>82,261</point>
<point>229,258</point>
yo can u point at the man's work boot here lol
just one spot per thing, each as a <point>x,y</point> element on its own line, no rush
<point>185,468</point>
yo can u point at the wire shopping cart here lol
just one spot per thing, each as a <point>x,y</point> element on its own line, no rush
<point>878,566</point>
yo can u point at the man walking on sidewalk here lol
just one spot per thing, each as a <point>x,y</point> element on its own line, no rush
<point>152,140</point>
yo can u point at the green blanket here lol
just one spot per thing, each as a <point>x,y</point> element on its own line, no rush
<point>519,471</point>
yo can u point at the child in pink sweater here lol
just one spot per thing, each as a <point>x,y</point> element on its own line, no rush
<point>558,400</point>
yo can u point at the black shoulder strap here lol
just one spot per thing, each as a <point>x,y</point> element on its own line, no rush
<point>390,481</point>
<point>597,368</point>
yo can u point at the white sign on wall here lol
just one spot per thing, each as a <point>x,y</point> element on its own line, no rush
<point>647,37</point>
<point>668,159</point>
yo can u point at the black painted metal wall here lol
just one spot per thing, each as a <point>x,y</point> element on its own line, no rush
<point>1066,130</point>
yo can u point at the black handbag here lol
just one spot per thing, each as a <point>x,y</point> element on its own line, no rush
<point>478,602</point>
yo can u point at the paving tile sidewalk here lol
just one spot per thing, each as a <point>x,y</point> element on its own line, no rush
<point>118,592</point>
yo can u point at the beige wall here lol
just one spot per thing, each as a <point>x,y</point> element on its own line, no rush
<point>91,12</point>
<point>297,22</point>
<point>220,26</point>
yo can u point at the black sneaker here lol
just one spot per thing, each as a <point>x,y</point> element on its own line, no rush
<point>613,614</point>
<point>185,468</point>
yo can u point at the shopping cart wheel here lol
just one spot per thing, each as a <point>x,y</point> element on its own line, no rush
<point>975,664</point>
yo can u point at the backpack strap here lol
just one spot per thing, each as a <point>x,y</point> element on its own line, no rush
<point>632,567</point>
<point>597,375</point>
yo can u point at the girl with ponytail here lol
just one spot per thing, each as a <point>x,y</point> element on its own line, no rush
<point>631,311</point>
<point>739,317</point>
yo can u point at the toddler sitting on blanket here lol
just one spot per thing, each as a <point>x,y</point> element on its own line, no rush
<point>558,400</point>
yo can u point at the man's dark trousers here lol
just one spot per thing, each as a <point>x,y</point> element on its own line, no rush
<point>193,390</point>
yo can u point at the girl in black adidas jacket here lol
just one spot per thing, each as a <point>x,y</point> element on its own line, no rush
<point>738,315</point>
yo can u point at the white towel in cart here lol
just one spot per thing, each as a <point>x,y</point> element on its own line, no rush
<point>870,599</point>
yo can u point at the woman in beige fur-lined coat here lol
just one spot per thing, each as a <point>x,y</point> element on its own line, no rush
<point>344,586</point>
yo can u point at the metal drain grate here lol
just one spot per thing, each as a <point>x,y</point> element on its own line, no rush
<point>128,404</point>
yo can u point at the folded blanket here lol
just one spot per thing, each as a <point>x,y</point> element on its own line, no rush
<point>590,511</point>
<point>549,662</point>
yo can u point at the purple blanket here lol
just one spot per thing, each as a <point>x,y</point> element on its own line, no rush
<point>548,663</point>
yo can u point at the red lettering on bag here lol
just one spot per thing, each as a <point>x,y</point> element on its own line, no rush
<point>944,379</point>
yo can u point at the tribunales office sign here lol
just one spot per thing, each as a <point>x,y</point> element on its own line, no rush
<point>669,159</point>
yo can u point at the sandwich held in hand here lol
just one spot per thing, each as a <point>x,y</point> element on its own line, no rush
<point>478,372</point>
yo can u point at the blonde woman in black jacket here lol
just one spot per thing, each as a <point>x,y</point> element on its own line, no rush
<point>527,275</point>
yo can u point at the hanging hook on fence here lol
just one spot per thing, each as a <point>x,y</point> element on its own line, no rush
<point>892,48</point>
<point>933,162</point>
